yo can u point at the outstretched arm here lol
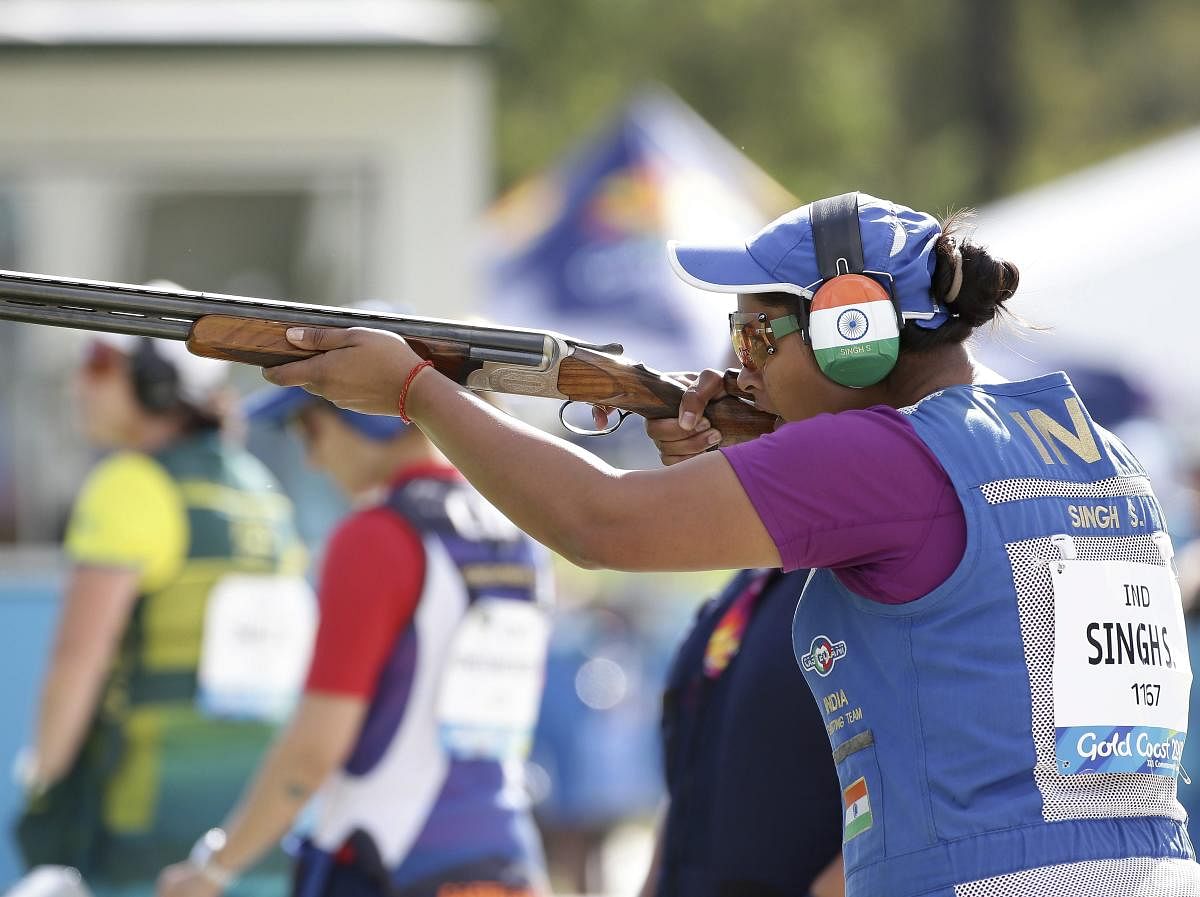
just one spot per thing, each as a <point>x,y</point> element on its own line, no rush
<point>692,516</point>
<point>316,741</point>
<point>96,610</point>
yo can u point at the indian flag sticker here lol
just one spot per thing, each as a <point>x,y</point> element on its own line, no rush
<point>854,331</point>
<point>858,810</point>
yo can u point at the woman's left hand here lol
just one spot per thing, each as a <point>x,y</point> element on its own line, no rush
<point>358,369</point>
<point>184,880</point>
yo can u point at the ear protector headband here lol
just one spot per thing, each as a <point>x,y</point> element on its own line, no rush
<point>155,380</point>
<point>854,320</point>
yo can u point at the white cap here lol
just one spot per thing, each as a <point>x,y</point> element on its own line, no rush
<point>200,379</point>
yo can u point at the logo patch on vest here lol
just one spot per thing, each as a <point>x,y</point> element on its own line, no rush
<point>822,655</point>
<point>858,809</point>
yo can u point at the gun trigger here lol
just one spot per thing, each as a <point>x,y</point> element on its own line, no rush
<point>580,431</point>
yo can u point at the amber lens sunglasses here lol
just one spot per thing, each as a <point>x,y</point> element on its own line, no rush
<point>754,336</point>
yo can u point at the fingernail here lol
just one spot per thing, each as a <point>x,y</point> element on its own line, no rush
<point>703,425</point>
<point>688,420</point>
<point>295,334</point>
<point>714,437</point>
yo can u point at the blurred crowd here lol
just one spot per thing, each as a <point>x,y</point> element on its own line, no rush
<point>215,684</point>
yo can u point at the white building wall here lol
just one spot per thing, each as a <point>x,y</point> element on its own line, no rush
<point>88,131</point>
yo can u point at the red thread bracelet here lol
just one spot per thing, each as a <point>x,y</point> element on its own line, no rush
<point>412,375</point>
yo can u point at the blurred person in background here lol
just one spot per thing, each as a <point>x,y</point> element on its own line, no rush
<point>178,542</point>
<point>963,529</point>
<point>753,807</point>
<point>422,693</point>
<point>594,760</point>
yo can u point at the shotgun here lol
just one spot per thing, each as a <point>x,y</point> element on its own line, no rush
<point>511,360</point>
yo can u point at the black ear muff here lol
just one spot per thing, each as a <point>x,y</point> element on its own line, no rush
<point>155,380</point>
<point>853,323</point>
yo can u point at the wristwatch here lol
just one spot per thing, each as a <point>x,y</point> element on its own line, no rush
<point>27,773</point>
<point>202,856</point>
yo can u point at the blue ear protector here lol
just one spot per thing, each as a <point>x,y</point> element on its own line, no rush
<point>155,380</point>
<point>853,319</point>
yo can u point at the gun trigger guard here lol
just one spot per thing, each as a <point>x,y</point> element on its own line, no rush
<point>579,431</point>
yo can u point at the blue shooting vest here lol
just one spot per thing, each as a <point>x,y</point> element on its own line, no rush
<point>431,794</point>
<point>957,761</point>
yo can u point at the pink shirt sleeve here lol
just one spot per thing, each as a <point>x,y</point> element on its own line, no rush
<point>859,493</point>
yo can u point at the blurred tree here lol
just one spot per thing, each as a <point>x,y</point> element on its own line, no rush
<point>993,101</point>
<point>944,103</point>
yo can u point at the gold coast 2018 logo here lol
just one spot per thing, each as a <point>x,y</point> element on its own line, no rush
<point>822,655</point>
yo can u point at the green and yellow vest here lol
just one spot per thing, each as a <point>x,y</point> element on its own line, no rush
<point>157,769</point>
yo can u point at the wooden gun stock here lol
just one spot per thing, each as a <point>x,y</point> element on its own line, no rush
<point>587,376</point>
<point>583,376</point>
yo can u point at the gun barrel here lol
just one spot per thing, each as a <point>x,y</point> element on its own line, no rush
<point>151,311</point>
<point>87,319</point>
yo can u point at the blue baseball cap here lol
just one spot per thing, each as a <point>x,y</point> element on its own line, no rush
<point>782,258</point>
<point>277,406</point>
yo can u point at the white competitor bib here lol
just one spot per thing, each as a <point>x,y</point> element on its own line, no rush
<point>491,689</point>
<point>258,638</point>
<point>1121,668</point>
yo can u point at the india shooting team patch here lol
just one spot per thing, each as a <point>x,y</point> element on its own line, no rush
<point>857,802</point>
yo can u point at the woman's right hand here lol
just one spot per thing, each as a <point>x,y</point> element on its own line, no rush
<point>691,434</point>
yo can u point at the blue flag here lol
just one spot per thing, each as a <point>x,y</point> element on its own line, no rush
<point>582,248</point>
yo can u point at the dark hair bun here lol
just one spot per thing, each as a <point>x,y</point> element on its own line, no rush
<point>986,283</point>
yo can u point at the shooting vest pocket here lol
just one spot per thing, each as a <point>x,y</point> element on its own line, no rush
<point>862,798</point>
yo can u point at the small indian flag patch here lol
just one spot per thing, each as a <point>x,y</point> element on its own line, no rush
<point>858,809</point>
